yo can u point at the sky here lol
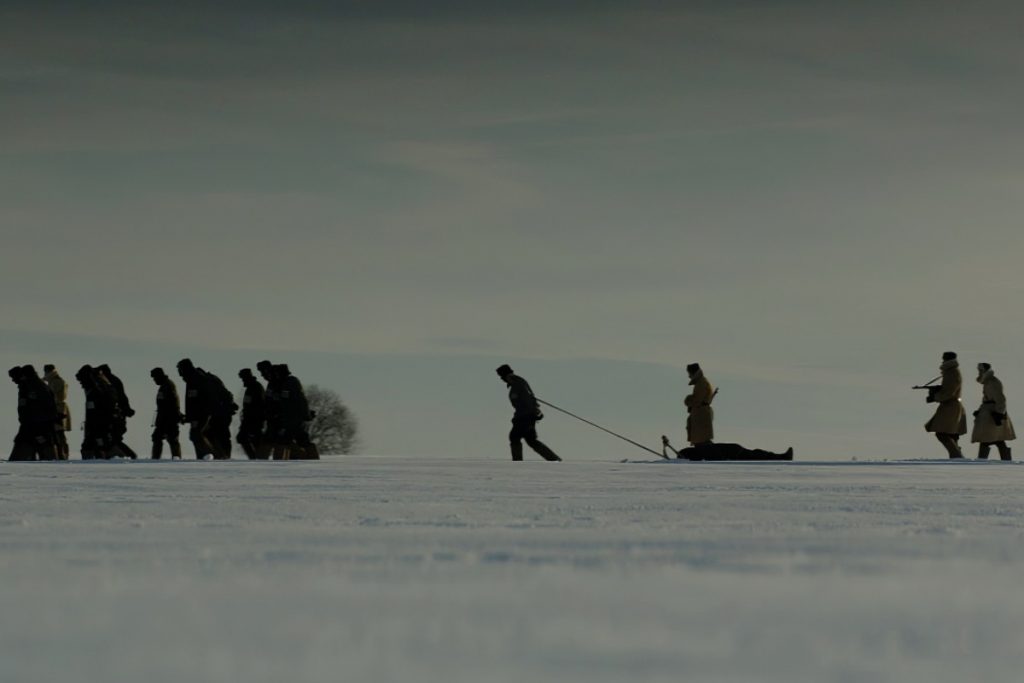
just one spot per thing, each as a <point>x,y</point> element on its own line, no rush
<point>814,200</point>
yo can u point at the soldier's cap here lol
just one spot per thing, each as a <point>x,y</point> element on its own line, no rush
<point>105,369</point>
<point>504,370</point>
<point>84,371</point>
<point>29,370</point>
<point>985,367</point>
<point>245,373</point>
<point>185,363</point>
<point>48,367</point>
<point>15,372</point>
<point>157,372</point>
<point>264,365</point>
<point>693,367</point>
<point>949,355</point>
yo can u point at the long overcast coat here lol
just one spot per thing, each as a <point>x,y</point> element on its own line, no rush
<point>60,395</point>
<point>700,420</point>
<point>949,417</point>
<point>993,401</point>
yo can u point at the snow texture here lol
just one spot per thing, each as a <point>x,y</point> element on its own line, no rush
<point>415,569</point>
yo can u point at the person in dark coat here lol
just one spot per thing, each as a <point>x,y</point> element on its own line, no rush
<point>168,416</point>
<point>59,387</point>
<point>223,409</point>
<point>273,438</point>
<point>721,452</point>
<point>100,415</point>
<point>254,417</point>
<point>37,417</point>
<point>295,414</point>
<point>124,408</point>
<point>200,402</point>
<point>524,420</point>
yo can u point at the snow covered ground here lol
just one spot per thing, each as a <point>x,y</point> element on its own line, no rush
<point>416,569</point>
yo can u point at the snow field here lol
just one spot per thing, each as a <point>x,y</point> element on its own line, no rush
<point>451,569</point>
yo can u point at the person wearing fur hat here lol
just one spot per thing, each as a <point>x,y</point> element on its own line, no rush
<point>992,425</point>
<point>700,417</point>
<point>524,420</point>
<point>949,421</point>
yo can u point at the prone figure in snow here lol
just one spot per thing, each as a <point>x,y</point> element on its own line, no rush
<point>700,430</point>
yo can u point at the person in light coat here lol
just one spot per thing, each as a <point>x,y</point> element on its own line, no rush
<point>59,387</point>
<point>700,418</point>
<point>949,421</point>
<point>992,425</point>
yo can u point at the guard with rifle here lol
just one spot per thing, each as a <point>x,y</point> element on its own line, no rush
<point>524,420</point>
<point>949,421</point>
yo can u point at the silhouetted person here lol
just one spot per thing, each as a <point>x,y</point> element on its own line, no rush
<point>274,441</point>
<point>168,416</point>
<point>124,408</point>
<point>720,452</point>
<point>59,388</point>
<point>524,419</point>
<point>699,414</point>
<point>254,417</point>
<point>992,424</point>
<point>949,421</point>
<point>223,409</point>
<point>294,416</point>
<point>37,417</point>
<point>100,406</point>
<point>200,400</point>
<point>700,427</point>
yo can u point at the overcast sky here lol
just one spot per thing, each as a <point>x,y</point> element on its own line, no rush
<point>812,199</point>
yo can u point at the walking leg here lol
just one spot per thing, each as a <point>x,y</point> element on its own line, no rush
<point>1004,450</point>
<point>541,448</point>
<point>515,442</point>
<point>949,443</point>
<point>983,449</point>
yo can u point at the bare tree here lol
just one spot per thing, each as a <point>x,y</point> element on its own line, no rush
<point>334,429</point>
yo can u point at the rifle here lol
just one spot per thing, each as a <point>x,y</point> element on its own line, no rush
<point>930,387</point>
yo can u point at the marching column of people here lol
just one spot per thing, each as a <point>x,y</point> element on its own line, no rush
<point>274,420</point>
